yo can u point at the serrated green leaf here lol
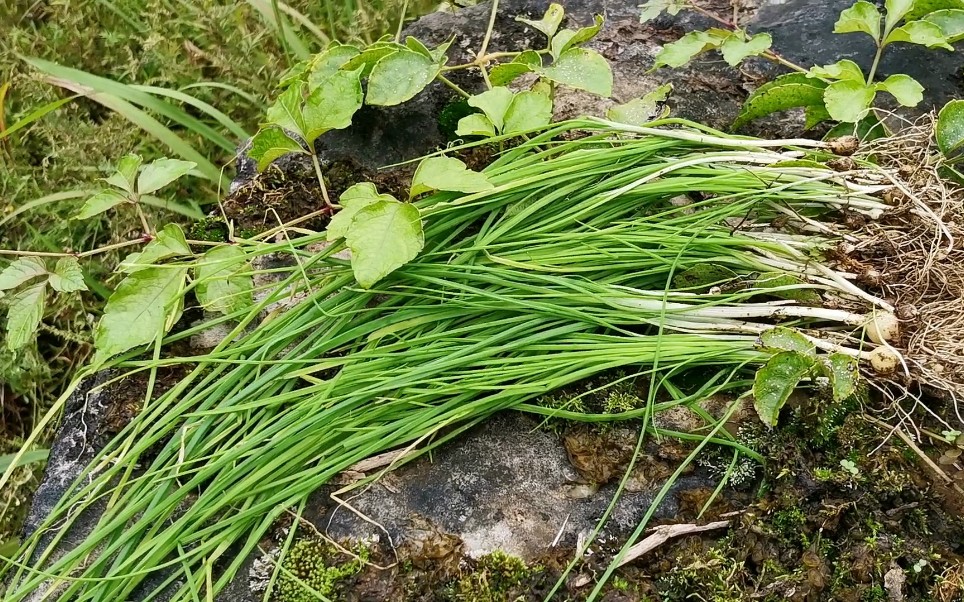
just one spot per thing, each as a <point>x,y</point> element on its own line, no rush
<point>682,51</point>
<point>224,282</point>
<point>926,7</point>
<point>169,242</point>
<point>735,49</point>
<point>922,33</point>
<point>769,281</point>
<point>527,111</point>
<point>896,10</point>
<point>842,371</point>
<point>399,76</point>
<point>67,276</point>
<point>475,124</point>
<point>332,104</point>
<point>862,16</point>
<point>272,143</point>
<point>159,173</point>
<point>653,8</point>
<point>494,103</point>
<point>294,74</point>
<point>26,309</point>
<point>100,202</point>
<point>844,69</point>
<point>785,92</point>
<point>775,381</point>
<point>549,22</point>
<point>286,111</point>
<point>139,311</point>
<point>848,100</point>
<point>904,88</point>
<point>352,200</point>
<point>20,271</point>
<point>568,38</point>
<point>126,173</point>
<point>583,69</point>
<point>505,73</point>
<point>640,110</point>
<point>951,23</point>
<point>781,338</point>
<point>370,56</point>
<point>446,173</point>
<point>327,63</point>
<point>815,115</point>
<point>949,131</point>
<point>383,237</point>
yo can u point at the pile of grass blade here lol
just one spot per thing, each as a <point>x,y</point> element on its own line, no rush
<point>572,265</point>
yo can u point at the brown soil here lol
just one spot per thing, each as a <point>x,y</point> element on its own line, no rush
<point>275,197</point>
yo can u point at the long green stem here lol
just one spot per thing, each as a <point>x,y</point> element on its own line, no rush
<point>321,178</point>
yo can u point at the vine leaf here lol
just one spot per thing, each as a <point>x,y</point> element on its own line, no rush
<point>224,280</point>
<point>125,175</point>
<point>787,339</point>
<point>904,88</point>
<point>286,111</point>
<point>682,51</point>
<point>332,104</point>
<point>272,143</point>
<point>923,33</point>
<point>24,314</point>
<point>862,16</point>
<point>549,22</point>
<point>583,69</point>
<point>370,56</point>
<point>100,202</point>
<point>842,370</point>
<point>494,103</point>
<point>772,282</point>
<point>169,242</point>
<point>143,308</point>
<point>567,38</point>
<point>327,63</point>
<point>67,276</point>
<point>735,48</point>
<point>527,111</point>
<point>896,10</point>
<point>780,94</point>
<point>20,271</point>
<point>848,100</point>
<point>159,173</point>
<point>844,69</point>
<point>399,76</point>
<point>384,236</point>
<point>951,23</point>
<point>475,124</point>
<point>950,127</point>
<point>775,381</point>
<point>352,200</point>
<point>815,115</point>
<point>641,110</point>
<point>446,173</point>
<point>505,73</point>
<point>653,8</point>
